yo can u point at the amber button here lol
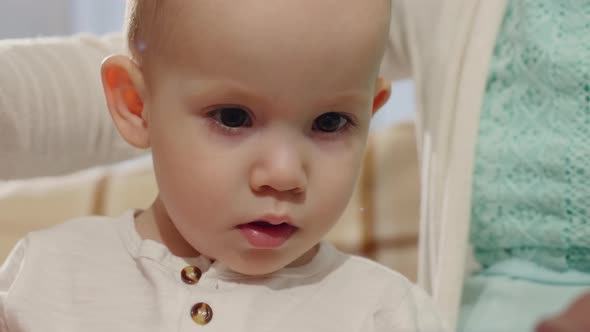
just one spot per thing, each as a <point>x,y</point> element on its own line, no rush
<point>201,313</point>
<point>191,275</point>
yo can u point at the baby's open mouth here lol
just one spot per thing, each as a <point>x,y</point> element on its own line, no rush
<point>265,235</point>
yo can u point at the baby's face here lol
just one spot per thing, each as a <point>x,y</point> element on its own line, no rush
<point>258,116</point>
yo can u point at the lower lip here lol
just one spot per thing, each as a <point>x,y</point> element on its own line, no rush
<point>267,237</point>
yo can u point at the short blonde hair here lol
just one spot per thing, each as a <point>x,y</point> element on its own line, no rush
<point>142,18</point>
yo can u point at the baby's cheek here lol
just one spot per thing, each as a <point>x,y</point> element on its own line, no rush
<point>333,200</point>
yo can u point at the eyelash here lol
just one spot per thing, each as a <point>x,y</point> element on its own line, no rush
<point>212,115</point>
<point>345,129</point>
<point>350,124</point>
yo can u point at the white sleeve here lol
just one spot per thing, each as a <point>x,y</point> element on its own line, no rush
<point>414,312</point>
<point>8,274</point>
<point>417,313</point>
<point>396,60</point>
<point>53,116</point>
<point>405,309</point>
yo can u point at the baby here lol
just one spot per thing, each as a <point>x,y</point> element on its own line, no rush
<point>257,114</point>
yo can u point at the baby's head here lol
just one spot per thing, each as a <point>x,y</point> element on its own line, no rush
<point>257,114</point>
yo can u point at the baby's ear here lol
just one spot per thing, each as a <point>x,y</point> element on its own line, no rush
<point>382,93</point>
<point>124,89</point>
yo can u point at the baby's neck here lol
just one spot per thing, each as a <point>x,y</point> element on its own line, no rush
<point>155,224</point>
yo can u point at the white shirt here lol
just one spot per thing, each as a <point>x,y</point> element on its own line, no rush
<point>97,274</point>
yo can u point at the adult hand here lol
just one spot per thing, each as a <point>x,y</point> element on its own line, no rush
<point>576,318</point>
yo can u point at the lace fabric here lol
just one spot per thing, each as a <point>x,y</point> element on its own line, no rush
<point>531,190</point>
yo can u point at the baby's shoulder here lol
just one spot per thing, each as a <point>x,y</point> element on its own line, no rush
<point>77,231</point>
<point>367,279</point>
<point>369,271</point>
<point>394,300</point>
<point>75,240</point>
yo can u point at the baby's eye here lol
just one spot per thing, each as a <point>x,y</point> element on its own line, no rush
<point>331,122</point>
<point>232,117</point>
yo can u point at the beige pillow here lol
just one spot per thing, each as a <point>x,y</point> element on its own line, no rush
<point>30,205</point>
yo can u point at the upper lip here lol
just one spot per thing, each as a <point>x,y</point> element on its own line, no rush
<point>275,219</point>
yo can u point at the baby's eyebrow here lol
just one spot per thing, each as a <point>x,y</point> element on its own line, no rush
<point>220,89</point>
<point>210,86</point>
<point>354,97</point>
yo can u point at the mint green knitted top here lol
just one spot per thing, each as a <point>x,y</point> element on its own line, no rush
<point>531,189</point>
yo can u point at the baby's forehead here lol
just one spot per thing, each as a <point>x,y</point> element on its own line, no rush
<point>295,21</point>
<point>278,8</point>
<point>291,40</point>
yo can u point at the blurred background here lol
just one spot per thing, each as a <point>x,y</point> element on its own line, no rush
<point>380,223</point>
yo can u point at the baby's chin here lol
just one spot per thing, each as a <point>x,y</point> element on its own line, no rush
<point>260,266</point>
<point>257,268</point>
